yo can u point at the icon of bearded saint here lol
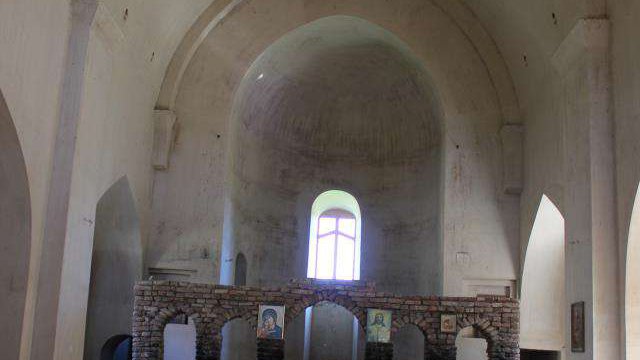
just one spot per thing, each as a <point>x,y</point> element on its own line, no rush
<point>378,331</point>
<point>270,328</point>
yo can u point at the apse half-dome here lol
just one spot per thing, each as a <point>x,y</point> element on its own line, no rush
<point>340,88</point>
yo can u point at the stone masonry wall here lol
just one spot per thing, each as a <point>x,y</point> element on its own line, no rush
<point>211,306</point>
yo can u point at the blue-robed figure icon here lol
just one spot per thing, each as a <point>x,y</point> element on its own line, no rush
<point>270,328</point>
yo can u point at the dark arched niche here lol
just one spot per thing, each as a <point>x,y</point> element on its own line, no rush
<point>240,275</point>
<point>15,230</point>
<point>116,265</point>
<point>117,348</point>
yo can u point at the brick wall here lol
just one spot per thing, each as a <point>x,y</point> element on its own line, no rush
<point>211,306</point>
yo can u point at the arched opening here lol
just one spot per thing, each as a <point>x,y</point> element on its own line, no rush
<point>338,103</point>
<point>118,347</point>
<point>116,266</point>
<point>332,333</point>
<point>408,343</point>
<point>543,286</point>
<point>471,345</point>
<point>335,237</point>
<point>234,341</point>
<point>180,339</point>
<point>632,296</point>
<point>240,274</point>
<point>15,230</point>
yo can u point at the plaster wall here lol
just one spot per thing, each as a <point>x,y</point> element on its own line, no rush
<point>116,266</point>
<point>124,68</point>
<point>33,38</point>
<point>626,113</point>
<point>472,201</point>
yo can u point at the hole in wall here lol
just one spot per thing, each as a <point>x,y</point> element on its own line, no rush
<point>126,14</point>
<point>555,18</point>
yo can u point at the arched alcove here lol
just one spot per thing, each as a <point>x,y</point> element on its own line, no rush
<point>180,339</point>
<point>117,347</point>
<point>240,274</point>
<point>337,103</point>
<point>408,343</point>
<point>632,296</point>
<point>543,282</point>
<point>15,232</point>
<point>325,331</point>
<point>116,265</point>
<point>235,344</point>
<point>471,345</point>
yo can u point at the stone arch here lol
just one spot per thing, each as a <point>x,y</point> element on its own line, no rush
<point>405,322</point>
<point>15,227</point>
<point>162,319</point>
<point>297,309</point>
<point>485,330</point>
<point>235,333</point>
<point>329,309</point>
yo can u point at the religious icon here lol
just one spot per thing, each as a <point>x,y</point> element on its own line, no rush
<point>271,322</point>
<point>378,326</point>
<point>577,327</point>
<point>448,323</point>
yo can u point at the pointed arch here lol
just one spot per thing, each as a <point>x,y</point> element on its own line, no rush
<point>632,280</point>
<point>543,279</point>
<point>116,266</point>
<point>15,230</point>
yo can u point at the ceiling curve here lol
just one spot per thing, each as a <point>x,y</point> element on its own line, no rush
<point>340,88</point>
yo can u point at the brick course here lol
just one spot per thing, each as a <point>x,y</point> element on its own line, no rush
<point>211,306</point>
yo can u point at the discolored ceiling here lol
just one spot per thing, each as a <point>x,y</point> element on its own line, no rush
<point>340,88</point>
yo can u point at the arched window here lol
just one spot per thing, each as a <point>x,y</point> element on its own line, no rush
<point>334,237</point>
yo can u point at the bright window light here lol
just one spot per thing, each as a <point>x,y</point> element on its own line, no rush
<point>336,245</point>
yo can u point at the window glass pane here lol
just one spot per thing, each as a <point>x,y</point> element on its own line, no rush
<point>326,247</point>
<point>327,225</point>
<point>345,258</point>
<point>347,227</point>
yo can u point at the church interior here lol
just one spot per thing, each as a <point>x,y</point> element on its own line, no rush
<point>320,179</point>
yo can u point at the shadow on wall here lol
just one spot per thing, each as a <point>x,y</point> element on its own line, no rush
<point>116,266</point>
<point>15,230</point>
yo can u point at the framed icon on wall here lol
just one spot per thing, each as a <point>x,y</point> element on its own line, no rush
<point>577,327</point>
<point>271,322</point>
<point>448,323</point>
<point>378,326</point>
